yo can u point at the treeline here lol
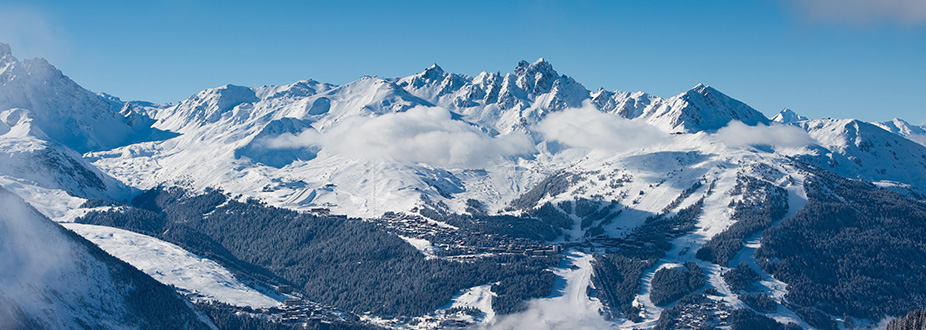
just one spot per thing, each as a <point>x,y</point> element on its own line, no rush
<point>512,291</point>
<point>853,249</point>
<point>671,283</point>
<point>545,223</point>
<point>741,278</point>
<point>760,301</point>
<point>551,186</point>
<point>153,221</point>
<point>618,275</point>
<point>681,197</point>
<point>914,320</point>
<point>617,278</point>
<point>745,319</point>
<point>346,263</point>
<point>591,211</point>
<point>762,204</point>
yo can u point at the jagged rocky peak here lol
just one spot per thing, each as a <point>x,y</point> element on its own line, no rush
<point>708,94</point>
<point>537,77</point>
<point>432,72</point>
<point>432,75</point>
<point>6,58</point>
<point>787,116</point>
<point>600,97</point>
<point>299,89</point>
<point>625,104</point>
<point>702,108</point>
<point>704,90</point>
<point>31,69</point>
<point>540,65</point>
<point>5,50</point>
<point>718,109</point>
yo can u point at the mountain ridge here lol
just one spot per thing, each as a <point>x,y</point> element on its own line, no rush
<point>630,185</point>
<point>68,113</point>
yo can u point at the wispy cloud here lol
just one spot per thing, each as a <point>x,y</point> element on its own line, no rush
<point>586,127</point>
<point>862,12</point>
<point>31,32</point>
<point>419,135</point>
<point>34,260</point>
<point>737,134</point>
<point>552,315</point>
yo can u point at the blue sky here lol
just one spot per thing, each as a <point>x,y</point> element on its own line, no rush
<point>822,58</point>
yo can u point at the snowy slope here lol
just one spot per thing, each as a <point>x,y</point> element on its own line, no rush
<point>51,278</point>
<point>48,165</point>
<point>569,307</point>
<point>172,265</point>
<point>51,176</point>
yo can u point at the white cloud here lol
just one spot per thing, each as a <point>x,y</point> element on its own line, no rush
<point>419,135</point>
<point>918,138</point>
<point>586,127</point>
<point>862,12</point>
<point>552,315</point>
<point>737,134</point>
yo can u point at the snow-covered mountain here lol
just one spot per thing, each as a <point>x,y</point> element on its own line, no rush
<point>62,110</point>
<point>684,184</point>
<point>702,108</point>
<point>47,120</point>
<point>857,149</point>
<point>33,161</point>
<point>229,127</point>
<point>787,116</point>
<point>915,133</point>
<point>53,279</point>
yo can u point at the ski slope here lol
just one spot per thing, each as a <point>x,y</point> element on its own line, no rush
<point>172,265</point>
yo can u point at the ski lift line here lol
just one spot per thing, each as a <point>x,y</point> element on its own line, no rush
<point>373,173</point>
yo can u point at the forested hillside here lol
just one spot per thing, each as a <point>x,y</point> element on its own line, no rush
<point>346,263</point>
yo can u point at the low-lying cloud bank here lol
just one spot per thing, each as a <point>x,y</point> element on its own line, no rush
<point>589,128</point>
<point>552,315</point>
<point>420,135</point>
<point>737,134</point>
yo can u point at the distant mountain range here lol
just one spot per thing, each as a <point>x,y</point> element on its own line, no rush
<point>637,190</point>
